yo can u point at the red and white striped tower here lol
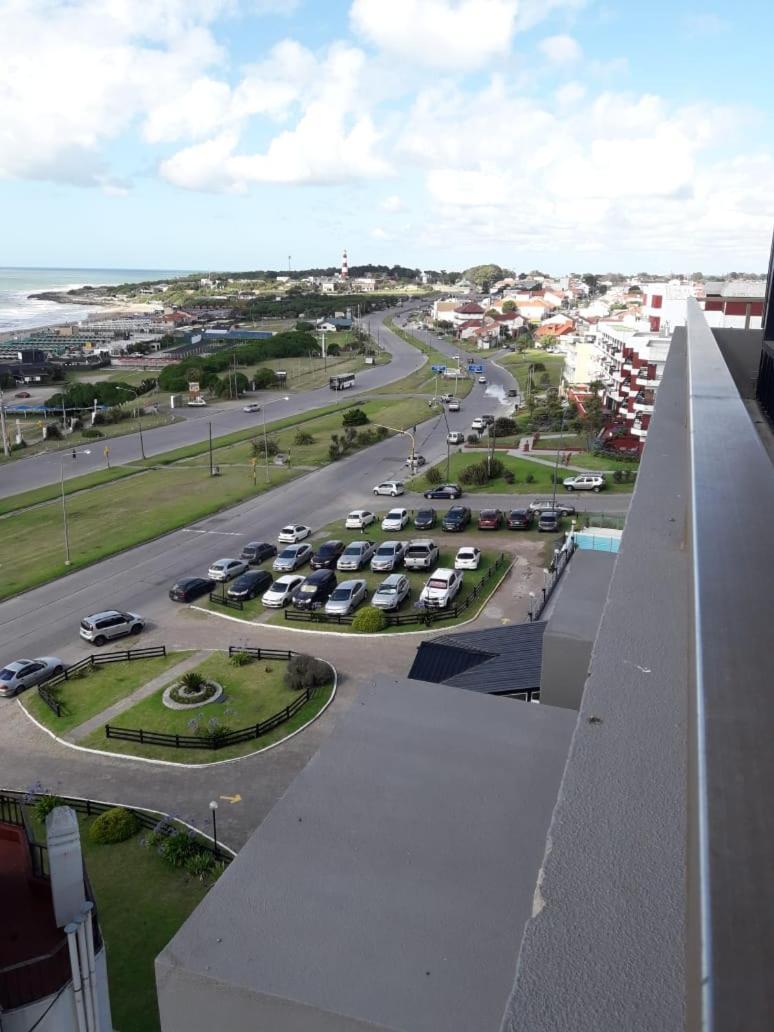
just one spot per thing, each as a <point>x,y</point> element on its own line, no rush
<point>344,266</point>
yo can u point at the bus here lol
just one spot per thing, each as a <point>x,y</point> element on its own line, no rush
<point>341,383</point>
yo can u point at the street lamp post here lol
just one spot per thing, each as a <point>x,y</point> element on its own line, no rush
<point>86,451</point>
<point>265,441</point>
<point>406,433</point>
<point>448,445</point>
<point>558,453</point>
<point>128,390</point>
<point>213,811</point>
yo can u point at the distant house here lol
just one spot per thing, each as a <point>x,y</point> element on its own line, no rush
<point>555,328</point>
<point>471,311</point>
<point>334,325</point>
<point>535,309</point>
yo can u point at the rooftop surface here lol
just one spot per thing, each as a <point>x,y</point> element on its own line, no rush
<point>389,886</point>
<point>27,926</point>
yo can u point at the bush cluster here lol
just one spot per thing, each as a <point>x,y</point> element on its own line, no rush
<point>369,620</point>
<point>240,659</point>
<point>303,437</point>
<point>115,825</point>
<point>482,472</point>
<point>433,476</point>
<point>91,431</point>
<point>354,417</point>
<point>304,672</point>
<point>46,804</point>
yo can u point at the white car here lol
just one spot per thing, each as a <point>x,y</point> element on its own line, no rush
<point>24,673</point>
<point>278,594</point>
<point>387,556</point>
<point>292,533</point>
<point>355,555</point>
<point>482,379</point>
<point>467,558</point>
<point>227,569</point>
<point>292,557</point>
<point>390,487</point>
<point>391,592</point>
<point>359,519</point>
<point>454,406</point>
<point>196,403</point>
<point>396,519</point>
<point>252,407</point>
<point>478,425</point>
<point>346,597</point>
<point>441,588</point>
<point>585,482</point>
<point>455,437</point>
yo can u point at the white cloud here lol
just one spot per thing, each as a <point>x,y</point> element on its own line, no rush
<point>393,203</point>
<point>560,50</point>
<point>570,93</point>
<point>453,34</point>
<point>379,233</point>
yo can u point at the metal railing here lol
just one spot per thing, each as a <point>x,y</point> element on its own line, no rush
<point>93,660</point>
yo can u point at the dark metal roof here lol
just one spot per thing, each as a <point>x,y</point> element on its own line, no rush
<point>494,661</point>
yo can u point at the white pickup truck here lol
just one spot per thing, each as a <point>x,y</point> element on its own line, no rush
<point>441,588</point>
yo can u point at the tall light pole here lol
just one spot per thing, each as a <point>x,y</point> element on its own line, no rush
<point>213,811</point>
<point>3,430</point>
<point>129,390</point>
<point>406,433</point>
<point>265,442</point>
<point>86,451</point>
<point>448,445</point>
<point>558,452</point>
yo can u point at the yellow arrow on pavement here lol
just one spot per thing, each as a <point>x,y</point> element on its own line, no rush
<point>232,798</point>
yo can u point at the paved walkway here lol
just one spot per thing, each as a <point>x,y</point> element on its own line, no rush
<point>105,716</point>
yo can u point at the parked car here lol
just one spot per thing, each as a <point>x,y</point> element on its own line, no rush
<point>549,521</point>
<point>446,398</point>
<point>326,555</point>
<point>520,519</point>
<point>415,462</point>
<point>346,598</point>
<point>248,585</point>
<point>24,673</point>
<point>293,532</point>
<point>101,627</point>
<point>456,519</point>
<point>226,569</point>
<point>392,592</point>
<point>390,487</point>
<point>547,505</point>
<point>359,519</point>
<point>23,394</point>
<point>292,557</point>
<point>490,519</point>
<point>478,425</point>
<point>388,556</point>
<point>444,491</point>
<point>420,554</point>
<point>455,437</point>
<point>396,519</point>
<point>512,392</point>
<point>467,558</point>
<point>315,591</point>
<point>279,593</point>
<point>454,406</point>
<point>356,555</point>
<point>196,403</point>
<point>189,588</point>
<point>425,519</point>
<point>585,482</point>
<point>482,379</point>
<point>488,419</point>
<point>441,588</point>
<point>252,407</point>
<point>256,552</point>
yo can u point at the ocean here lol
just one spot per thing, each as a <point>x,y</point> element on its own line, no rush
<point>19,313</point>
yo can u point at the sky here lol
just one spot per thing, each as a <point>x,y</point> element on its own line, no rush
<point>564,135</point>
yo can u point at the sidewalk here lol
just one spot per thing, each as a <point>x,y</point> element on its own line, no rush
<point>105,716</point>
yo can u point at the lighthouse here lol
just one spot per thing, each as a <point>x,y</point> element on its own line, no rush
<point>344,266</point>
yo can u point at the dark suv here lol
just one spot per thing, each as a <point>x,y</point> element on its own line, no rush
<point>327,555</point>
<point>257,552</point>
<point>520,519</point>
<point>315,590</point>
<point>425,519</point>
<point>457,518</point>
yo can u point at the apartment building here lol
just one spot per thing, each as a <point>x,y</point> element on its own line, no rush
<point>633,365</point>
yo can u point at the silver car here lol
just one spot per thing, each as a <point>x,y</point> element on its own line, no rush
<point>292,557</point>
<point>227,569</point>
<point>355,555</point>
<point>391,592</point>
<point>345,598</point>
<point>101,627</point>
<point>24,673</point>
<point>387,556</point>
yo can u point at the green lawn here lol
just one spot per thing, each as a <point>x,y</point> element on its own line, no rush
<point>37,446</point>
<point>522,469</point>
<point>518,366</point>
<point>252,693</point>
<point>579,441</point>
<point>96,689</point>
<point>423,379</point>
<point>305,374</point>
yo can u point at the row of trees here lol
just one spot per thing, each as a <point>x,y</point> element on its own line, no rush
<point>108,392</point>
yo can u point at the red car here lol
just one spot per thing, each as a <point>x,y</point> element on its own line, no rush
<point>23,394</point>
<point>490,519</point>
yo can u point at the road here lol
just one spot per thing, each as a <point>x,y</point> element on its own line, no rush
<point>46,468</point>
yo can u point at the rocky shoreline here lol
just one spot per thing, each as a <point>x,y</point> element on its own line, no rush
<point>78,296</point>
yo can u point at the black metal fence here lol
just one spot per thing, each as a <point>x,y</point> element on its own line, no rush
<point>93,660</point>
<point>423,617</point>
<point>221,739</point>
<point>224,600</point>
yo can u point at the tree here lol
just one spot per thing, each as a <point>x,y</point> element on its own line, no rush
<point>509,305</point>
<point>334,350</point>
<point>504,426</point>
<point>354,417</point>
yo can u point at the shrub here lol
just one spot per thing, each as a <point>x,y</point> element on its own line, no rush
<point>302,437</point>
<point>200,864</point>
<point>46,804</point>
<point>472,438</point>
<point>364,438</point>
<point>306,672</point>
<point>258,450</point>
<point>91,431</point>
<point>115,825</point>
<point>178,848</point>
<point>482,472</point>
<point>433,475</point>
<point>369,620</point>
<point>509,476</point>
<point>354,417</point>
<point>240,659</point>
<point>192,681</point>
<point>53,432</point>
<point>505,427</point>
<point>530,478</point>
<point>617,476</point>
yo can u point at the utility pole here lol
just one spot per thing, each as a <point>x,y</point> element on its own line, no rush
<point>64,514</point>
<point>3,429</point>
<point>210,445</point>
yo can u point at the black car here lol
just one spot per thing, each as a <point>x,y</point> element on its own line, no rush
<point>512,392</point>
<point>258,552</point>
<point>457,518</point>
<point>327,554</point>
<point>189,588</point>
<point>425,519</point>
<point>248,585</point>
<point>520,519</point>
<point>444,491</point>
<point>315,590</point>
<point>549,521</point>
